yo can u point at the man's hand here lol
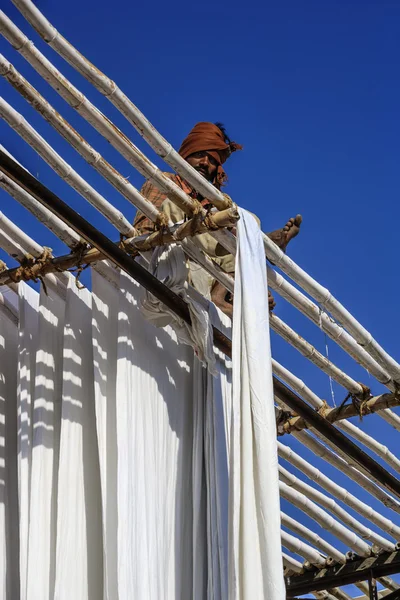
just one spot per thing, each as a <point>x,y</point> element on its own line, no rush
<point>271,302</point>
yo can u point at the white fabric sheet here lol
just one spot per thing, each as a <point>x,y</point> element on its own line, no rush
<point>255,562</point>
<point>27,340</point>
<point>105,302</point>
<point>154,433</point>
<point>137,473</point>
<point>79,555</point>
<point>46,418</point>
<point>9,518</point>
<point>169,265</point>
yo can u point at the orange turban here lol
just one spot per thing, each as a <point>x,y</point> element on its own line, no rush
<point>209,137</point>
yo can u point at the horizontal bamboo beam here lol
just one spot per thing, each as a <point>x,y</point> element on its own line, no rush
<point>338,575</point>
<point>339,413</point>
<point>87,256</point>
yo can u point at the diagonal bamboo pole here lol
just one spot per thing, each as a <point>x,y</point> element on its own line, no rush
<point>329,504</point>
<point>325,520</point>
<point>333,488</point>
<point>298,528</point>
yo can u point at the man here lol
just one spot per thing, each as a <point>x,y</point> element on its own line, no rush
<point>206,148</point>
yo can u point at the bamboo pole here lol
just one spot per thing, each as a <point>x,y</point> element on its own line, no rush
<point>62,231</point>
<point>338,414</point>
<point>325,520</point>
<point>62,168</point>
<point>308,308</point>
<point>298,547</point>
<point>21,247</point>
<point>310,352</point>
<point>336,490</point>
<point>313,538</point>
<point>329,504</point>
<point>373,404</point>
<point>291,564</point>
<point>326,300</point>
<point>348,469</point>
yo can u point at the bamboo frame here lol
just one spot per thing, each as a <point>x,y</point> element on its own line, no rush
<point>126,107</point>
<point>386,375</point>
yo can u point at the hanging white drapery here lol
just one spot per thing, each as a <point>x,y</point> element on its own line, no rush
<point>255,563</point>
<point>125,450</point>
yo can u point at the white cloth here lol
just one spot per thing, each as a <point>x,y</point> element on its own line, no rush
<point>79,556</point>
<point>154,433</point>
<point>27,340</point>
<point>133,479</point>
<point>46,418</point>
<point>169,265</point>
<point>9,518</point>
<point>255,561</point>
<point>105,302</point>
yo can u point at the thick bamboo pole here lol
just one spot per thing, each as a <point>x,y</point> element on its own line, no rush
<point>310,352</point>
<point>329,504</point>
<point>314,539</point>
<point>298,547</point>
<point>346,466</point>
<point>338,414</point>
<point>325,520</point>
<point>338,491</point>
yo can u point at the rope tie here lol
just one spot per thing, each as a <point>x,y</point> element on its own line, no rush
<point>80,265</point>
<point>209,221</point>
<point>162,226</point>
<point>359,401</point>
<point>324,409</point>
<point>197,217</point>
<point>126,247</point>
<point>31,268</point>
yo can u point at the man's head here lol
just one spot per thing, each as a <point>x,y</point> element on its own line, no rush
<point>206,148</point>
<point>204,163</point>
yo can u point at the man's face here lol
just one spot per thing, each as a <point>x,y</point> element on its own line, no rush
<point>204,163</point>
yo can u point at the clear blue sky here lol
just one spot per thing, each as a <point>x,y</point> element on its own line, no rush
<point>311,90</point>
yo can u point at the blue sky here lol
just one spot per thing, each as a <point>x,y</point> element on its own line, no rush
<point>309,88</point>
